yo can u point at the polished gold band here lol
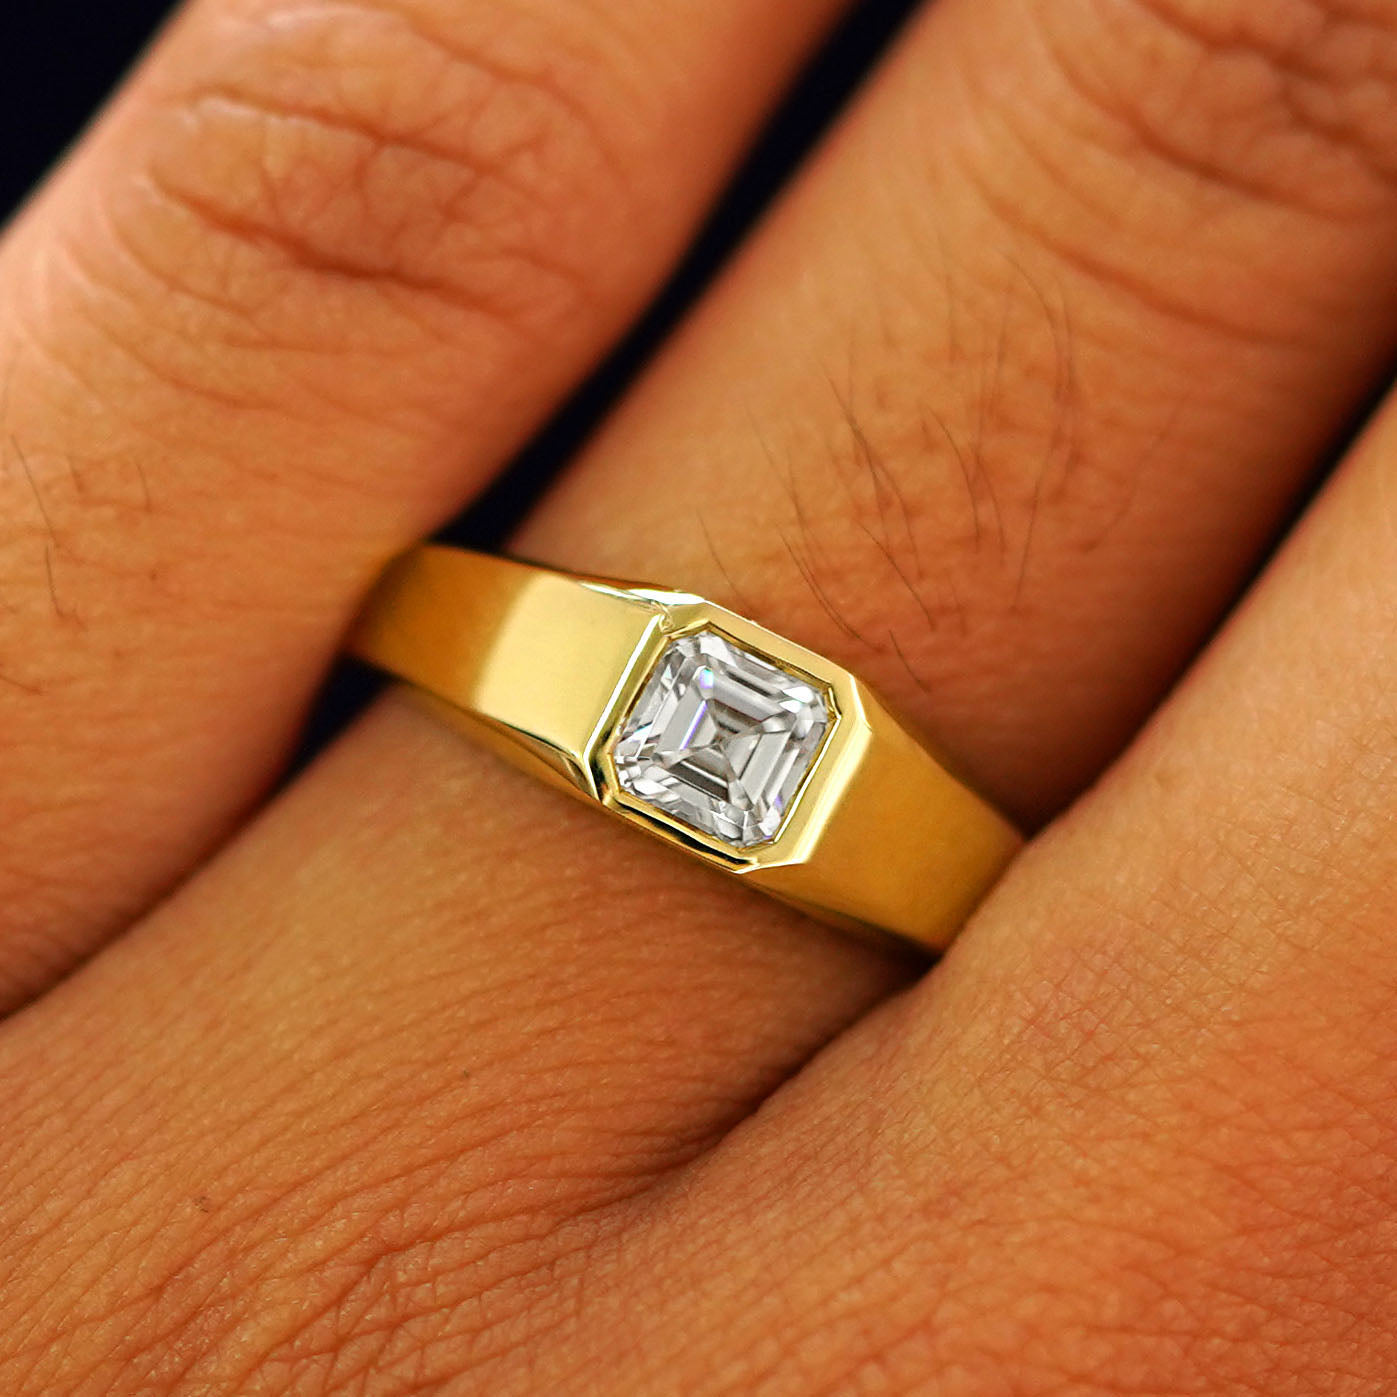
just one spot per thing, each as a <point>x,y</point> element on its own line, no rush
<point>547,667</point>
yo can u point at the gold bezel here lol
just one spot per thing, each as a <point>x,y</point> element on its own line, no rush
<point>833,763</point>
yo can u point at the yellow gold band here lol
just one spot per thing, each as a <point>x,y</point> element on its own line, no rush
<point>843,813</point>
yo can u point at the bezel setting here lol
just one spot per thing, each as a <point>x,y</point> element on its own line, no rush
<point>832,764</point>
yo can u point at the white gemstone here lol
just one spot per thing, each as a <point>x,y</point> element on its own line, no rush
<point>721,739</point>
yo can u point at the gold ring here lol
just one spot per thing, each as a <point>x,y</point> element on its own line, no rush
<point>762,758</point>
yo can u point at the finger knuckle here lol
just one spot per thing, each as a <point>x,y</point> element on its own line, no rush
<point>1285,103</point>
<point>374,150</point>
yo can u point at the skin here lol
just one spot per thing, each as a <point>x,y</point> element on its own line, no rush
<point>393,1087</point>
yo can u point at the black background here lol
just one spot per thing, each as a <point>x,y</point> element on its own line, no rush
<point>58,59</point>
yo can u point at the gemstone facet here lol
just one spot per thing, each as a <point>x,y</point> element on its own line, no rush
<point>721,739</point>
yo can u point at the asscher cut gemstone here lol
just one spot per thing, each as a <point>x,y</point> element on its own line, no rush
<point>721,739</point>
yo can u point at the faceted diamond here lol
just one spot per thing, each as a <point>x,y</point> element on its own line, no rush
<point>721,739</point>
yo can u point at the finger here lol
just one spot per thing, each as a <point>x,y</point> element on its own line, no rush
<point>1019,426</point>
<point>410,902</point>
<point>317,273</point>
<point>1139,1130</point>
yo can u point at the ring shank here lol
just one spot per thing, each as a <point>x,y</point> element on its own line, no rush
<point>535,661</point>
<point>531,655</point>
<point>909,849</point>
